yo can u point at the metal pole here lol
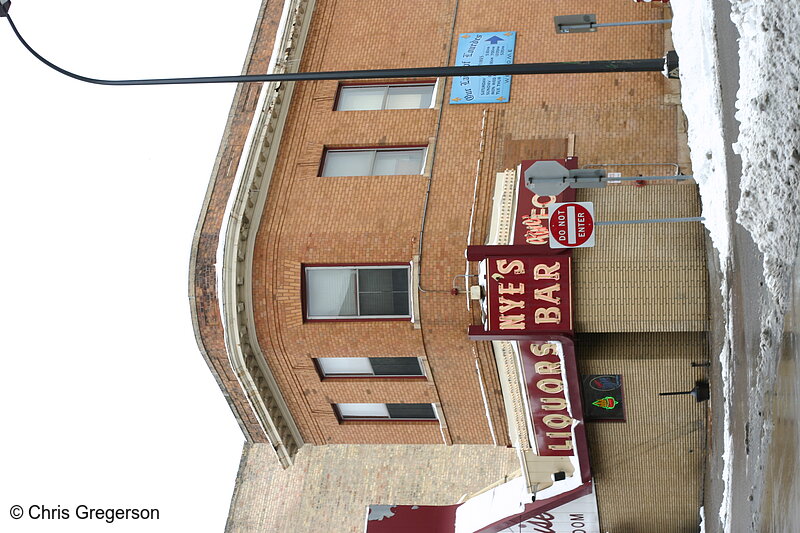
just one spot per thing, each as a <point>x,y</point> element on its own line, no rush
<point>566,67</point>
<point>634,23</point>
<point>649,221</point>
<point>677,177</point>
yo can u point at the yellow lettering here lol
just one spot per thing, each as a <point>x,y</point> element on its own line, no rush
<point>546,367</point>
<point>508,305</point>
<point>544,349</point>
<point>535,217</point>
<point>557,421</point>
<point>512,322</point>
<point>542,271</point>
<point>547,315</point>
<point>504,267</point>
<point>511,289</point>
<point>537,235</point>
<point>566,446</point>
<point>538,202</point>
<point>550,386</point>
<point>547,294</point>
<point>553,404</point>
<point>560,435</point>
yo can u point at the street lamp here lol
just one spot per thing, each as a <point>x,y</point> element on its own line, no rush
<point>588,23</point>
<point>667,65</point>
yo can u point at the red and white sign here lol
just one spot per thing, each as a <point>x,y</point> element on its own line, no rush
<point>571,225</point>
<point>498,510</point>
<point>555,405</point>
<point>528,294</point>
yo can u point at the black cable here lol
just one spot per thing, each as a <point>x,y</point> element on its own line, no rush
<point>571,67</point>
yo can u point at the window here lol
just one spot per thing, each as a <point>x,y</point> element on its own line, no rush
<point>357,292</point>
<point>385,411</point>
<point>397,96</point>
<point>373,162</point>
<point>369,366</point>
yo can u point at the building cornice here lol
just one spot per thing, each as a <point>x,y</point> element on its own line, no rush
<point>252,185</point>
<point>203,289</point>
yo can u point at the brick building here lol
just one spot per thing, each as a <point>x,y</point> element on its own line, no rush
<point>340,214</point>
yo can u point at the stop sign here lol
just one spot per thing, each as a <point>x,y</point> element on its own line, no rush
<point>571,225</point>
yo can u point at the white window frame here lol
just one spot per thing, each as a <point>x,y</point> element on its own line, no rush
<point>376,411</point>
<point>307,294</point>
<point>423,150</point>
<point>386,88</point>
<point>364,363</point>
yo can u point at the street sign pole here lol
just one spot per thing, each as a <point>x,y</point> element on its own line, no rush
<point>572,224</point>
<point>649,221</point>
<point>552,178</point>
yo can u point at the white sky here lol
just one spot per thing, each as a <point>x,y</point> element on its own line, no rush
<point>106,400</point>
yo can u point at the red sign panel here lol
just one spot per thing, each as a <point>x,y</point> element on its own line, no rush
<point>551,378</point>
<point>571,225</point>
<point>528,294</point>
<point>532,220</point>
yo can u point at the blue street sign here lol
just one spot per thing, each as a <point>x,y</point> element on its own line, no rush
<point>486,48</point>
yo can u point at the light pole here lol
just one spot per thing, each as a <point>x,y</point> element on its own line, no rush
<point>667,65</point>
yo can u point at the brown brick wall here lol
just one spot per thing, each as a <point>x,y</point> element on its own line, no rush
<point>308,219</point>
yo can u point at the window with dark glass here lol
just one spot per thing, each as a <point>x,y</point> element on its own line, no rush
<point>369,366</point>
<point>373,162</point>
<point>385,411</point>
<point>389,96</point>
<point>338,292</point>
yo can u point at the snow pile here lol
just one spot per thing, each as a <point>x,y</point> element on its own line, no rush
<point>769,139</point>
<point>769,207</point>
<point>693,35</point>
<point>769,143</point>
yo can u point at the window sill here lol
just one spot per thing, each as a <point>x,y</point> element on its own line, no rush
<point>373,379</point>
<point>388,421</point>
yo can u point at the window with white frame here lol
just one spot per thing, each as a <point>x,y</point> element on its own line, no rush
<point>369,366</point>
<point>389,96</point>
<point>373,162</point>
<point>336,292</point>
<point>385,411</point>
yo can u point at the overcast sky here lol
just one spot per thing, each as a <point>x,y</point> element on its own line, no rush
<point>106,400</point>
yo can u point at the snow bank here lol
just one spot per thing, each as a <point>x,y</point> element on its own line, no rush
<point>693,35</point>
<point>769,141</point>
<point>768,110</point>
<point>768,106</point>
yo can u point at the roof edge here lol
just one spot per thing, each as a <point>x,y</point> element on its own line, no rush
<point>202,290</point>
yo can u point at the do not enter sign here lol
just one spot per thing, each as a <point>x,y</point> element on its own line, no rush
<point>571,225</point>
